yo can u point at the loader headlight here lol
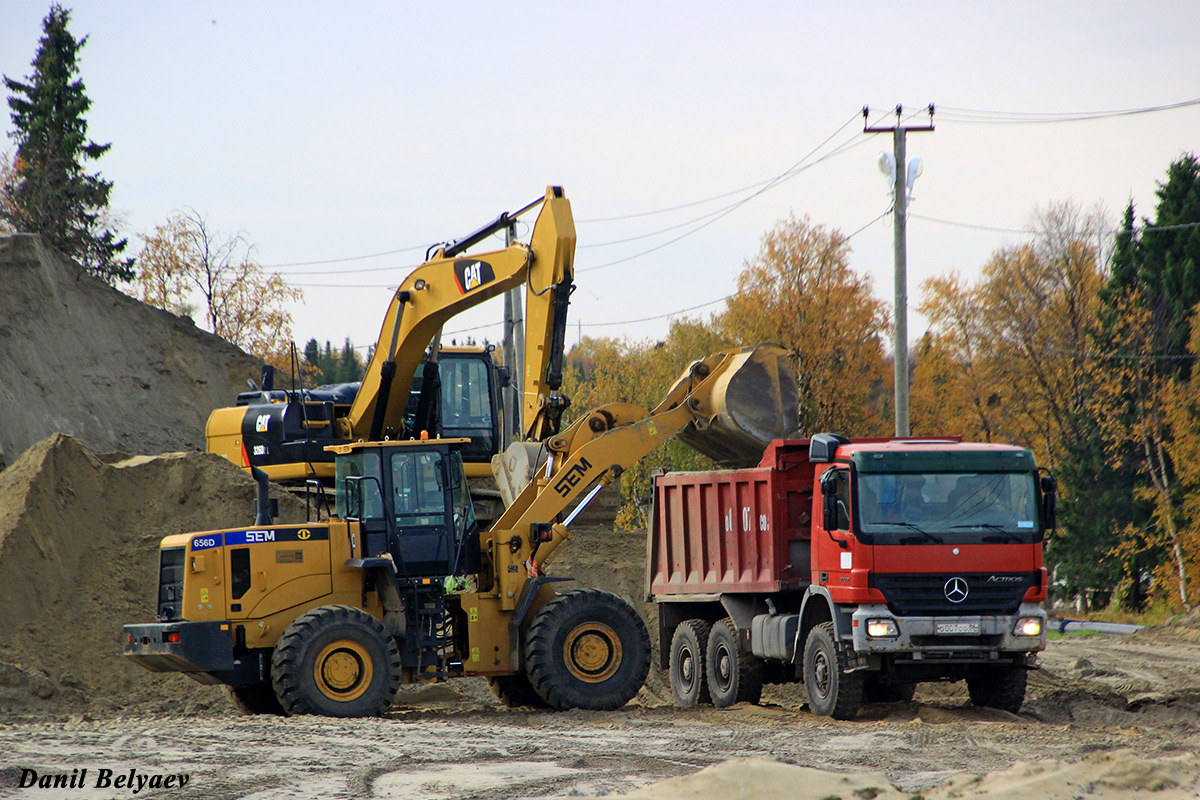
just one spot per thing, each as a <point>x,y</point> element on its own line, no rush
<point>1028,626</point>
<point>882,628</point>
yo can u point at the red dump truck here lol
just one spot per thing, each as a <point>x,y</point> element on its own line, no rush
<point>860,568</point>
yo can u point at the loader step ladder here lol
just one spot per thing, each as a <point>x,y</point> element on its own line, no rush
<point>428,645</point>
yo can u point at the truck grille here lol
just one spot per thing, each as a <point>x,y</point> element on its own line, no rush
<point>926,595</point>
<point>170,583</point>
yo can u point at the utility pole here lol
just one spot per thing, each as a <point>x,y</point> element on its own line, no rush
<point>513,349</point>
<point>901,183</point>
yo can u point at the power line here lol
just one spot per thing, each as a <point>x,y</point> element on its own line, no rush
<point>1034,231</point>
<point>712,216</point>
<point>723,195</point>
<point>973,115</point>
<point>719,299</point>
<point>721,213</point>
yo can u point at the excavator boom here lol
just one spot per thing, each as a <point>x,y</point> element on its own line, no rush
<point>446,285</point>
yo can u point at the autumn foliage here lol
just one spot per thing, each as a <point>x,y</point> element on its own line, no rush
<point>1078,342</point>
<point>187,268</point>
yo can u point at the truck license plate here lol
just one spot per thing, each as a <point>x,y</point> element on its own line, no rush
<point>956,627</point>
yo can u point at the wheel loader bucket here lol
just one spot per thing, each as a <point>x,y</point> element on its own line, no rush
<point>752,402</point>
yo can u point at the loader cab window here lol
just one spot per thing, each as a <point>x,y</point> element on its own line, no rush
<point>464,509</point>
<point>418,488</point>
<point>358,482</point>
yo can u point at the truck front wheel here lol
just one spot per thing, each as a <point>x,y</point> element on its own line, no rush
<point>587,649</point>
<point>1001,687</point>
<point>733,676</point>
<point>831,692</point>
<point>337,661</point>
<point>689,683</point>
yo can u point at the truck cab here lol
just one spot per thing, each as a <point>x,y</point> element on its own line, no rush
<point>859,567</point>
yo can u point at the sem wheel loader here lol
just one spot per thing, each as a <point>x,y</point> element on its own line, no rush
<point>402,586</point>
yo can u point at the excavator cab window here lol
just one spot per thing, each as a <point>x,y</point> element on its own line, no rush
<point>469,404</point>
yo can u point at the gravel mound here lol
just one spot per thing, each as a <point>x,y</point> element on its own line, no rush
<point>79,357</point>
<point>79,538</point>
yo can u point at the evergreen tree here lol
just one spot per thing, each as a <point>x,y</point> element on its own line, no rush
<point>52,194</point>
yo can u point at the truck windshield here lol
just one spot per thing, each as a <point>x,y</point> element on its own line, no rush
<point>978,504</point>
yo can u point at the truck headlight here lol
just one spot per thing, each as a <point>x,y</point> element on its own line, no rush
<point>882,628</point>
<point>1028,626</point>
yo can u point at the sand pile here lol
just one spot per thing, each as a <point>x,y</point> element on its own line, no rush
<point>79,540</point>
<point>1108,776</point>
<point>79,357</point>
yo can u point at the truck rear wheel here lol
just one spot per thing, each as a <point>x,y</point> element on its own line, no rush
<point>1001,687</point>
<point>256,699</point>
<point>831,692</point>
<point>689,683</point>
<point>337,661</point>
<point>733,676</point>
<point>515,691</point>
<point>587,649</point>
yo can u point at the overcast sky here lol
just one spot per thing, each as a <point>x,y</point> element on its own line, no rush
<point>331,131</point>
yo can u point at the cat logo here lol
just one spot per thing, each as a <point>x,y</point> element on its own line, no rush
<point>304,534</point>
<point>260,424</point>
<point>470,274</point>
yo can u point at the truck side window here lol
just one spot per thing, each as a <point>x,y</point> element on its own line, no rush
<point>842,482</point>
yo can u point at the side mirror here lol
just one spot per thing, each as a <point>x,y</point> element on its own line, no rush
<point>829,511</point>
<point>1049,501</point>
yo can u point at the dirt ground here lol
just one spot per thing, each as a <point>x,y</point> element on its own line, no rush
<point>1095,695</point>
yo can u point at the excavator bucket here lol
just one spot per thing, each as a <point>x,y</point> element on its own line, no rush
<point>753,402</point>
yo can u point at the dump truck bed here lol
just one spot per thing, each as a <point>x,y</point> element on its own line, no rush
<point>733,530</point>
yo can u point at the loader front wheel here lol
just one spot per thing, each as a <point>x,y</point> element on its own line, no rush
<point>587,649</point>
<point>336,661</point>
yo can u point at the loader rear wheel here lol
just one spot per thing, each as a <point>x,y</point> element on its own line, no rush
<point>515,691</point>
<point>258,698</point>
<point>337,661</point>
<point>1001,687</point>
<point>732,675</point>
<point>587,649</point>
<point>689,683</point>
<point>831,692</point>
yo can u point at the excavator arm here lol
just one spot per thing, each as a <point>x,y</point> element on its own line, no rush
<point>450,283</point>
<point>728,405</point>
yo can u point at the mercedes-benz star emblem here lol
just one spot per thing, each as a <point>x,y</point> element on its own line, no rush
<point>956,590</point>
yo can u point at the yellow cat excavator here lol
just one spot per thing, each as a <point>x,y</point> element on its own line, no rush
<point>286,433</point>
<point>400,584</point>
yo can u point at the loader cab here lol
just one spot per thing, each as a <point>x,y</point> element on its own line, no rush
<point>412,503</point>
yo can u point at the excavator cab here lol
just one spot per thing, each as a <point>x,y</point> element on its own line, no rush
<point>467,403</point>
<point>412,503</point>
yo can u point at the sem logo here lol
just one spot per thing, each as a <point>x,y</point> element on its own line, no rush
<point>303,534</point>
<point>260,424</point>
<point>471,274</point>
<point>956,590</point>
<point>572,478</point>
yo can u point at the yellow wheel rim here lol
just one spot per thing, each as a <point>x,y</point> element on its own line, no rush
<point>592,652</point>
<point>343,670</point>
